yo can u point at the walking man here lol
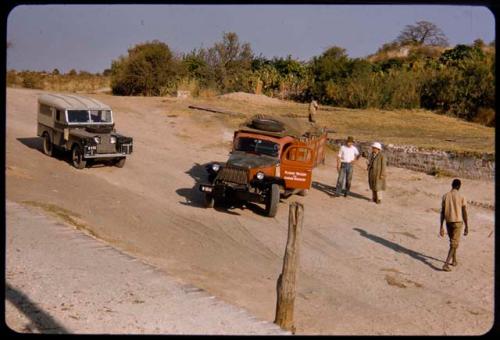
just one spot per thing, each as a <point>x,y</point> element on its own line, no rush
<point>376,172</point>
<point>347,155</point>
<point>454,212</point>
<point>313,106</point>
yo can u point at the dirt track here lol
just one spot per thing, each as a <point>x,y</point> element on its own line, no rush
<point>365,268</point>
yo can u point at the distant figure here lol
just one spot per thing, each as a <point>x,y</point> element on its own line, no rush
<point>376,172</point>
<point>313,106</point>
<point>347,155</point>
<point>454,212</point>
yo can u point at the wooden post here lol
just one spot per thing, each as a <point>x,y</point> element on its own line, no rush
<point>286,281</point>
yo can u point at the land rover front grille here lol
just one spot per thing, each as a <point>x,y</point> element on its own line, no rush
<point>105,145</point>
<point>233,175</point>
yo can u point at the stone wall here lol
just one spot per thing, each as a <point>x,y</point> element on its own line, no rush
<point>433,161</point>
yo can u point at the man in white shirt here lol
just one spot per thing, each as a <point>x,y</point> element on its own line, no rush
<point>347,155</point>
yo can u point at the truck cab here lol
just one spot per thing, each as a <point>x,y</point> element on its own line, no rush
<point>83,126</point>
<point>264,165</point>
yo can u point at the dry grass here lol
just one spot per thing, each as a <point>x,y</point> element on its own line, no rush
<point>420,128</point>
<point>65,215</point>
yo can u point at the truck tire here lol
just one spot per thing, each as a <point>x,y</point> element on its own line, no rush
<point>209,200</point>
<point>267,124</point>
<point>120,163</point>
<point>77,157</point>
<point>48,147</point>
<point>272,200</point>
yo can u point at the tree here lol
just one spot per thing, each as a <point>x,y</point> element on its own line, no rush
<point>422,33</point>
<point>55,72</point>
<point>149,69</point>
<point>231,62</point>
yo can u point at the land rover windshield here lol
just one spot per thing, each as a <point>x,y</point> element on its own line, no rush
<point>258,146</point>
<point>90,117</point>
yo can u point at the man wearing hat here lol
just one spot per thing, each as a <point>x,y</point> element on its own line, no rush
<point>376,172</point>
<point>347,155</point>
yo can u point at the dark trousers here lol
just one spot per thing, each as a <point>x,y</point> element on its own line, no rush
<point>345,178</point>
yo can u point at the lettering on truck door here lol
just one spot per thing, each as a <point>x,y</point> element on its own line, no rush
<point>296,167</point>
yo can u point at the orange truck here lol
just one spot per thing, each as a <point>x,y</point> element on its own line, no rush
<point>270,158</point>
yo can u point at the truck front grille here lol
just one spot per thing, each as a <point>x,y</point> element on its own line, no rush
<point>233,175</point>
<point>105,145</point>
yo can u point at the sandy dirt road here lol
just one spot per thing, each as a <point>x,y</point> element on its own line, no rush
<point>60,280</point>
<point>365,268</point>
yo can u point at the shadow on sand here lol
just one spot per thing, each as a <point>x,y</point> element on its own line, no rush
<point>36,143</point>
<point>399,249</point>
<point>39,319</point>
<point>329,190</point>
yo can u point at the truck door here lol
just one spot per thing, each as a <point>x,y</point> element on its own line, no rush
<point>296,167</point>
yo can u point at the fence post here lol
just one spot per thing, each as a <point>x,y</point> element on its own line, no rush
<point>286,281</point>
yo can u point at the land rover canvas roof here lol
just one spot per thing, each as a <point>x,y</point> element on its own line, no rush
<point>72,102</point>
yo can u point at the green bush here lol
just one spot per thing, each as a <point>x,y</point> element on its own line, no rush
<point>149,70</point>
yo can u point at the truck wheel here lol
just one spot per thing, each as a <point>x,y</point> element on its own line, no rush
<point>48,147</point>
<point>77,157</point>
<point>268,124</point>
<point>209,200</point>
<point>120,163</point>
<point>303,192</point>
<point>272,200</point>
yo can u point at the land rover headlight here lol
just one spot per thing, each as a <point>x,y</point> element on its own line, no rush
<point>97,139</point>
<point>215,167</point>
<point>260,175</point>
<point>112,140</point>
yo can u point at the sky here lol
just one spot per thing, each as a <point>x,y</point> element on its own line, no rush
<point>89,37</point>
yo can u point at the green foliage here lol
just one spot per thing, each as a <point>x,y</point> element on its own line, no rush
<point>149,70</point>
<point>413,71</point>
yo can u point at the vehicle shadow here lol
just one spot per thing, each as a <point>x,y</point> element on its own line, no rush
<point>329,190</point>
<point>195,198</point>
<point>39,319</point>
<point>36,143</point>
<point>400,249</point>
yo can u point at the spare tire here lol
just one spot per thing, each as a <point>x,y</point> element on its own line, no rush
<point>268,124</point>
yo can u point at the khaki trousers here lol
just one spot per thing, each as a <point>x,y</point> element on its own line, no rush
<point>377,195</point>
<point>454,232</point>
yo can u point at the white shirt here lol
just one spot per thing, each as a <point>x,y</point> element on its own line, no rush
<point>348,154</point>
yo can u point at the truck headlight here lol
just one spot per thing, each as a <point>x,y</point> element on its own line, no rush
<point>215,167</point>
<point>112,140</point>
<point>260,176</point>
<point>97,139</point>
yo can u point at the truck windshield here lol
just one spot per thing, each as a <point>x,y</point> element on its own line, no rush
<point>100,116</point>
<point>89,117</point>
<point>258,146</point>
<point>78,116</point>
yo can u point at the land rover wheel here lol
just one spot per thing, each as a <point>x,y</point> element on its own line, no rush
<point>77,157</point>
<point>120,163</point>
<point>209,200</point>
<point>272,200</point>
<point>48,147</point>
<point>267,124</point>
